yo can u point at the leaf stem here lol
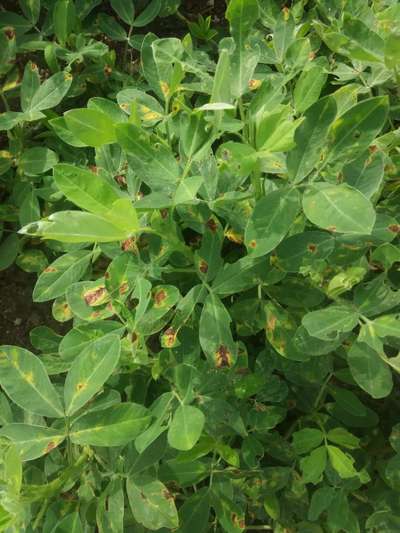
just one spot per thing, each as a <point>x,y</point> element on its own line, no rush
<point>322,391</point>
<point>126,46</point>
<point>40,514</point>
<point>258,528</point>
<point>4,100</point>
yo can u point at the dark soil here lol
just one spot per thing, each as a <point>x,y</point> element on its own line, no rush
<point>18,313</point>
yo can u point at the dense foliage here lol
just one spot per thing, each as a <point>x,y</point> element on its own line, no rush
<point>217,219</point>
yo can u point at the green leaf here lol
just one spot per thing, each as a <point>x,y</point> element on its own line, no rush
<point>90,126</point>
<point>75,227</point>
<point>313,465</point>
<point>355,130</point>
<point>392,50</point>
<point>30,9</point>
<point>275,131</point>
<point>151,503</point>
<point>215,334</point>
<point>185,473</point>
<point>339,208</point>
<point>69,524</point>
<point>326,324</point>
<point>341,462</point>
<point>111,28</point>
<point>364,44</point>
<point>77,338</point>
<point>32,441</point>
<point>221,91</point>
<point>284,34</point>
<point>365,173</point>
<point>271,220</point>
<point>387,326</point>
<point>64,19</point>
<point>370,372</point>
<point>30,208</point>
<point>310,137</point>
<point>150,456</point>
<point>240,275</point>
<point>242,15</point>
<point>51,92</point>
<point>194,513</point>
<point>114,426</point>
<point>320,502</point>
<point>148,14</point>
<point>307,439</point>
<point>186,427</point>
<point>59,275</point>
<point>24,378</point>
<point>125,9</point>
<point>30,84</point>
<point>86,189</point>
<point>154,162</point>
<point>8,48</point>
<point>194,135</point>
<point>304,249</point>
<point>344,438</point>
<point>9,249</point>
<point>89,371</point>
<point>37,160</point>
<point>308,87</point>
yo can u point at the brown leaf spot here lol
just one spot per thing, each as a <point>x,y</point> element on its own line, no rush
<point>253,243</point>
<point>331,228</point>
<point>234,237</point>
<point>212,225</point>
<point>167,495</point>
<point>120,179</point>
<point>254,84</point>
<point>164,88</point>
<point>312,247</point>
<point>223,357</point>
<point>95,315</point>
<point>129,245</point>
<point>51,445</point>
<point>271,323</point>
<point>81,386</point>
<point>49,269</point>
<point>372,149</point>
<point>95,296</point>
<point>394,228</point>
<point>123,288</point>
<point>9,33</point>
<point>159,297</point>
<point>203,266</point>
<point>93,168</point>
<point>311,56</point>
<point>164,213</point>
<point>238,521</point>
<point>169,337</point>
<point>107,70</point>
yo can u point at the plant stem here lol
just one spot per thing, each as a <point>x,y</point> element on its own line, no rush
<point>4,100</point>
<point>40,514</point>
<point>322,391</point>
<point>258,528</point>
<point>126,46</point>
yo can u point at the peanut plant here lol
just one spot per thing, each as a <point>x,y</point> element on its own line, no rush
<point>220,229</point>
